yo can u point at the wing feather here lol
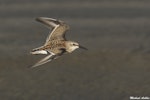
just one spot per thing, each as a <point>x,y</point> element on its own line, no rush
<point>44,60</point>
<point>59,28</point>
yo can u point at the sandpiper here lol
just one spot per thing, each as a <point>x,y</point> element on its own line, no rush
<point>56,44</point>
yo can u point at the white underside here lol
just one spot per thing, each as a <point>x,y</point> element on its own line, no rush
<point>39,52</point>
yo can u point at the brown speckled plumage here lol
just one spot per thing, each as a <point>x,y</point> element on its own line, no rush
<point>56,43</point>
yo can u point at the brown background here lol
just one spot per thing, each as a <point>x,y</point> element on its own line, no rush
<point>116,66</point>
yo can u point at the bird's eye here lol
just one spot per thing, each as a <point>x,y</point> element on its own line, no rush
<point>74,44</point>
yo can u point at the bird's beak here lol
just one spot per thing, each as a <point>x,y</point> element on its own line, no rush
<point>82,47</point>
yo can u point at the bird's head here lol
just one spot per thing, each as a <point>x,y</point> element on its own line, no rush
<point>71,46</point>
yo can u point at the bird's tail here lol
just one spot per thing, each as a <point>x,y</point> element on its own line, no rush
<point>39,50</point>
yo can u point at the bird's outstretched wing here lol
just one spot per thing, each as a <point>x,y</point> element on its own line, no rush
<point>59,28</point>
<point>49,58</point>
<point>46,59</point>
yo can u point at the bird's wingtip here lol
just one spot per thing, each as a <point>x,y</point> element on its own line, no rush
<point>30,66</point>
<point>42,18</point>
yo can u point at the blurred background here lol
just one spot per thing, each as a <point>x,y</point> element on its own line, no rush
<point>116,66</point>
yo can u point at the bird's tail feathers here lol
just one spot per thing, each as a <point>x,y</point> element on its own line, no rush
<point>38,51</point>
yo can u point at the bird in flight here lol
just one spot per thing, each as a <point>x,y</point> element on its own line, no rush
<point>56,44</point>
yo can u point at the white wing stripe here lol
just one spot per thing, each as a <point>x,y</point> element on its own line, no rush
<point>43,61</point>
<point>53,24</point>
<point>48,38</point>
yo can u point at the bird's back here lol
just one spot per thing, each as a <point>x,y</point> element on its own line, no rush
<point>55,46</point>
